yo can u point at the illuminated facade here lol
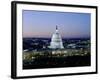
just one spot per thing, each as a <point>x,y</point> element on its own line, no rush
<point>56,41</point>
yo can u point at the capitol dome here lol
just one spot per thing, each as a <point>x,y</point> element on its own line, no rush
<point>56,41</point>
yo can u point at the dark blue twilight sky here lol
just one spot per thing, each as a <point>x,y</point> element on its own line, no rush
<point>43,24</point>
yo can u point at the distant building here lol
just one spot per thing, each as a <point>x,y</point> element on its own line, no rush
<point>56,40</point>
<point>71,46</point>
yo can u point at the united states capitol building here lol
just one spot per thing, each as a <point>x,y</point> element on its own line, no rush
<point>56,40</point>
<point>56,43</point>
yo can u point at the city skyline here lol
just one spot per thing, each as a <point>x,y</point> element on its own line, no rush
<point>43,24</point>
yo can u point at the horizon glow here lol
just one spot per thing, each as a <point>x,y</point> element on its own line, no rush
<point>43,24</point>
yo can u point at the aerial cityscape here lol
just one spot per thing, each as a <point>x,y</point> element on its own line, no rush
<point>56,39</point>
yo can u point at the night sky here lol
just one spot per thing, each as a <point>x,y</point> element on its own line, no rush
<point>43,24</point>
